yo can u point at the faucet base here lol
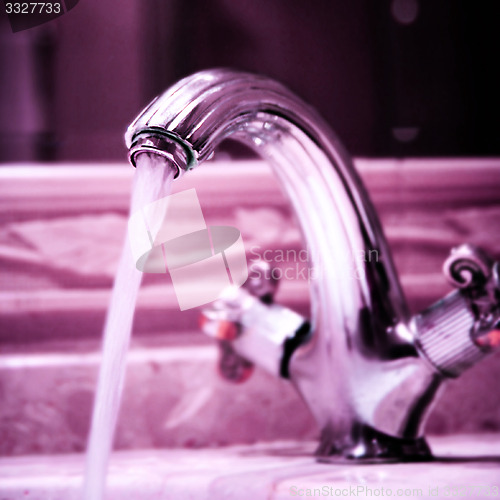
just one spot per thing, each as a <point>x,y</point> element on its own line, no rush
<point>369,446</point>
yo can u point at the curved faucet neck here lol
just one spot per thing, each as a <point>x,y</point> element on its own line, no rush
<point>355,294</point>
<point>337,218</point>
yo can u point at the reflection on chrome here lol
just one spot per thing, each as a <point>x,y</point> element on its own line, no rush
<point>367,370</point>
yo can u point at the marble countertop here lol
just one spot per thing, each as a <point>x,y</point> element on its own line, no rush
<point>468,466</point>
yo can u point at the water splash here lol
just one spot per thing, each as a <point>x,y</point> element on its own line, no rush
<point>152,181</point>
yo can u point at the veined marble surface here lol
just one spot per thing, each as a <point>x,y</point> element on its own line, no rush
<point>61,230</point>
<point>467,466</point>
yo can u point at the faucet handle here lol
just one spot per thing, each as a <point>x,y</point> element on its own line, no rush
<point>251,328</point>
<point>223,320</point>
<point>462,328</point>
<point>262,282</point>
<point>474,272</point>
<point>468,267</point>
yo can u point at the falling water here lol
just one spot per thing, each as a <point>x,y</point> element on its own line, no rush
<point>152,181</point>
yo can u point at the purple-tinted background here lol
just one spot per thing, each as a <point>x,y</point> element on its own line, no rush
<point>394,78</point>
<point>399,77</point>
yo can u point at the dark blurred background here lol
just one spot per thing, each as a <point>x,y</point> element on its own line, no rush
<point>393,77</point>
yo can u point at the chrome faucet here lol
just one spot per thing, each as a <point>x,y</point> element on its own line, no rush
<point>368,371</point>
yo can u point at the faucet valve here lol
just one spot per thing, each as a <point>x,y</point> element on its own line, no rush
<point>368,374</point>
<point>220,321</point>
<point>251,328</point>
<point>459,330</point>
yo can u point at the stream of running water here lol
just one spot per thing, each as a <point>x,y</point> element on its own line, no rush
<point>152,181</point>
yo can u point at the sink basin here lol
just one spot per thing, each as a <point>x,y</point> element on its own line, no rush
<point>469,467</point>
<point>52,312</point>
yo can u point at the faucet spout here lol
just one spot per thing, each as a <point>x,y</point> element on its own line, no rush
<point>359,371</point>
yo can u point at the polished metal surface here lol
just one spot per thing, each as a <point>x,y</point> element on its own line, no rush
<point>362,371</point>
<point>462,328</point>
<point>444,335</point>
<point>263,329</point>
<point>249,326</point>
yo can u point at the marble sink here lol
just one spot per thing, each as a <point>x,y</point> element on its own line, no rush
<point>183,432</point>
<point>467,466</point>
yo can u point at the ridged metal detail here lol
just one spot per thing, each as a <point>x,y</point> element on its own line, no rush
<point>444,335</point>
